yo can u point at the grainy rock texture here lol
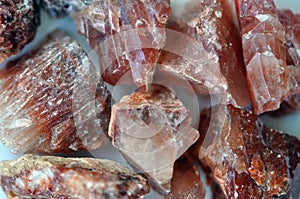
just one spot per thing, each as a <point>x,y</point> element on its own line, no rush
<point>250,160</point>
<point>55,177</point>
<point>19,20</point>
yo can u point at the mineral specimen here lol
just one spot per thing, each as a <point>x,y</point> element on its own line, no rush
<point>186,182</point>
<point>204,48</point>
<point>250,160</point>
<point>126,34</point>
<point>291,23</point>
<point>263,40</point>
<point>55,177</point>
<point>152,129</point>
<point>52,101</point>
<point>61,8</point>
<point>19,20</point>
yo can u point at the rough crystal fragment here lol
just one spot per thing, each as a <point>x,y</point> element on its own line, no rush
<point>205,49</point>
<point>19,20</point>
<point>291,23</point>
<point>152,129</point>
<point>61,8</point>
<point>250,160</point>
<point>263,39</point>
<point>186,182</point>
<point>126,34</point>
<point>56,177</point>
<point>52,101</point>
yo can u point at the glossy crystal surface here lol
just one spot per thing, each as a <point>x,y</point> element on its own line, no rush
<point>127,35</point>
<point>152,129</point>
<point>209,54</point>
<point>52,100</point>
<point>264,51</point>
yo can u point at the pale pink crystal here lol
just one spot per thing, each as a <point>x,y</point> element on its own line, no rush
<point>126,34</point>
<point>204,48</point>
<point>264,51</point>
<point>152,129</point>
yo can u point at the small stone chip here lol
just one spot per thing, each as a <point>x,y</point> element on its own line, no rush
<point>19,20</point>
<point>55,177</point>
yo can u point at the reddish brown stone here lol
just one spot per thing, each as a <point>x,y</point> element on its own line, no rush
<point>291,23</point>
<point>186,182</point>
<point>152,129</point>
<point>19,20</point>
<point>55,177</point>
<point>217,192</point>
<point>205,49</point>
<point>263,38</point>
<point>249,160</point>
<point>50,101</point>
<point>126,34</point>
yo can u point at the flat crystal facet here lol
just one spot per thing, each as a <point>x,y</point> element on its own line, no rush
<point>186,182</point>
<point>264,50</point>
<point>19,20</point>
<point>50,101</point>
<point>250,160</point>
<point>55,177</point>
<point>126,34</point>
<point>211,58</point>
<point>61,8</point>
<point>152,129</point>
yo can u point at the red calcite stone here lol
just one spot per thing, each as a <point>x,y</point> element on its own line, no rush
<point>186,182</point>
<point>19,20</point>
<point>264,50</point>
<point>152,129</point>
<point>203,47</point>
<point>291,23</point>
<point>126,34</point>
<point>250,160</point>
<point>55,177</point>
<point>52,100</point>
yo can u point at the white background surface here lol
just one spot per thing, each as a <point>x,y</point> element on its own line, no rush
<point>290,124</point>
